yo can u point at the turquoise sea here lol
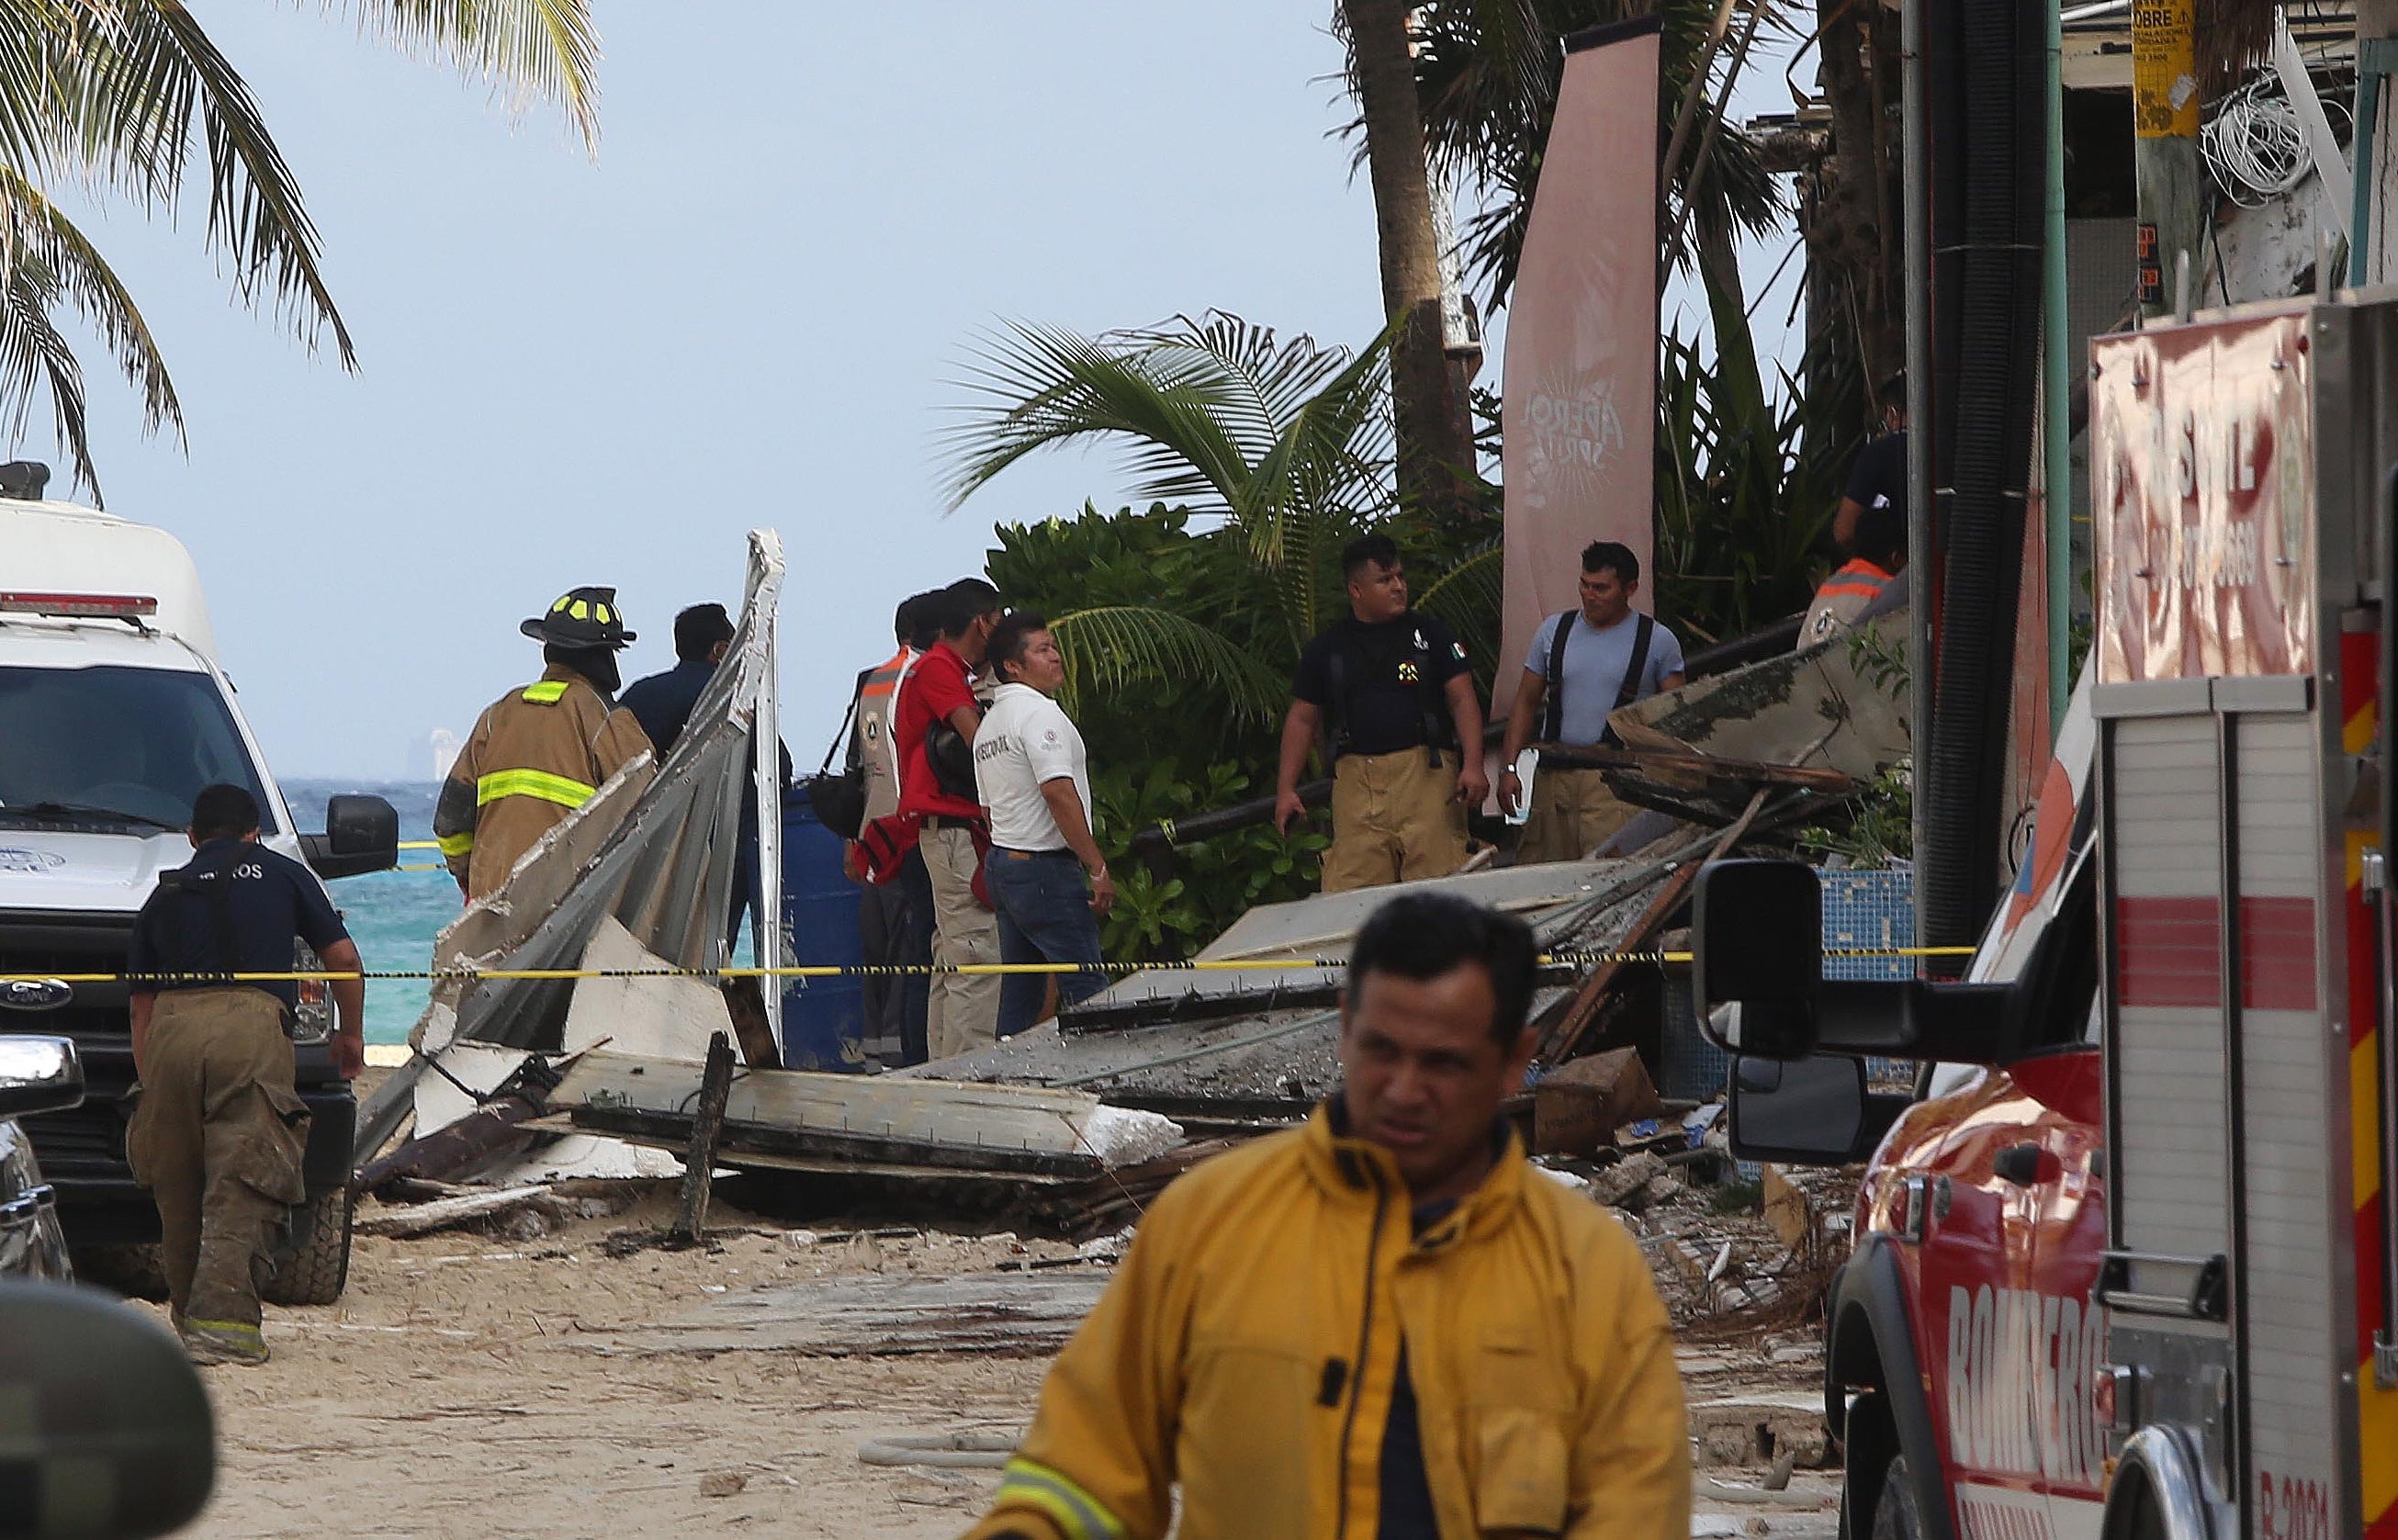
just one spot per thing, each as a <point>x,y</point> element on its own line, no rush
<point>393,916</point>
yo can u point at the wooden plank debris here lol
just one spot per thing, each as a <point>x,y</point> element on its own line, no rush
<point>1005,1313</point>
<point>707,1129</point>
<point>424,1218</point>
<point>1562,1040</point>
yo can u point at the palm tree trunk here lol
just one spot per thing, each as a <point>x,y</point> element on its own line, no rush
<point>1436,428</point>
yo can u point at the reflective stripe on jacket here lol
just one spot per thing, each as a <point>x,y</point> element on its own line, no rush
<point>1248,1345</point>
<point>1841,599</point>
<point>872,751</point>
<point>535,756</point>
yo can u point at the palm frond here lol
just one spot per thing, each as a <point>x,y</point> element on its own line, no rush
<point>34,358</point>
<point>1042,386</point>
<point>1106,648</point>
<point>43,250</point>
<point>546,50</point>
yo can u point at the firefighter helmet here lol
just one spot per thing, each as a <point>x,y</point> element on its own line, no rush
<point>582,617</point>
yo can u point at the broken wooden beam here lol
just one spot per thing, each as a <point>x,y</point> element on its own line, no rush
<point>707,1127</point>
<point>1561,1040</point>
<point>424,1218</point>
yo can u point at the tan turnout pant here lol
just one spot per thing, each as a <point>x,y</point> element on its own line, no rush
<point>217,1137</point>
<point>1573,814</point>
<point>1395,819</point>
<point>965,1010</point>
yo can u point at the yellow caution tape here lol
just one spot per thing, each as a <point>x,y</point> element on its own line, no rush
<point>889,971</point>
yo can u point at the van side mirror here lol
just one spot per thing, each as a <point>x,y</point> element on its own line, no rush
<point>1758,955</point>
<point>39,1075</point>
<point>361,835</point>
<point>112,1435</point>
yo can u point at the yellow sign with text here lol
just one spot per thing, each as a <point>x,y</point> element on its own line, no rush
<point>2164,69</point>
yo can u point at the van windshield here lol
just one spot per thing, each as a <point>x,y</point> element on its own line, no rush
<point>113,746</point>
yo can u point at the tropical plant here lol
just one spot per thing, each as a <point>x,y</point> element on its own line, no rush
<point>1273,448</point>
<point>122,97</point>
<point>1747,482</point>
<point>1172,909</point>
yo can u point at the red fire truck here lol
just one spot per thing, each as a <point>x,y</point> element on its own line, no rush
<point>2123,1266</point>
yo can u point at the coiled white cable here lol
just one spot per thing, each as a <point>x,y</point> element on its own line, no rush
<point>2254,146</point>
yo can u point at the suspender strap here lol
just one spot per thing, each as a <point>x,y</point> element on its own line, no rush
<point>1629,691</point>
<point>1553,707</point>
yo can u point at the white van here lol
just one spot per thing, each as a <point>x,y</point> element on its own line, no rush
<point>113,713</point>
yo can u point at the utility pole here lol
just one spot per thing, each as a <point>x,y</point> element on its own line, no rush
<point>2165,122</point>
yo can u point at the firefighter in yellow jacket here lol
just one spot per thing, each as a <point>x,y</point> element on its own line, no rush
<point>539,753</point>
<point>1386,1324</point>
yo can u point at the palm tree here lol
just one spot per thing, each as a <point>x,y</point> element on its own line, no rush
<point>1280,444</point>
<point>123,97</point>
<point>1428,399</point>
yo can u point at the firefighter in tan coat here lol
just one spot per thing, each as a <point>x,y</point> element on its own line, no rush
<point>539,753</point>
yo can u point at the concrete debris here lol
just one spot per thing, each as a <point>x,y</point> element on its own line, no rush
<point>1759,1430</point>
<point>887,1125</point>
<point>1620,1181</point>
<point>1124,1136</point>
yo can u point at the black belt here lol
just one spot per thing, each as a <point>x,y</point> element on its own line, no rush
<point>947,820</point>
<point>1064,853</point>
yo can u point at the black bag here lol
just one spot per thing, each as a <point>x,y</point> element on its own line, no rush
<point>951,757</point>
<point>838,797</point>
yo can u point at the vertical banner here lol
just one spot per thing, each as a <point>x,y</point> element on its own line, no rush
<point>1581,382</point>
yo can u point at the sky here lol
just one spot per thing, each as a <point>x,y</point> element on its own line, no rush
<point>752,308</point>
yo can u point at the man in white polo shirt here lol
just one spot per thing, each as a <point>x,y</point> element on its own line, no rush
<point>1031,772</point>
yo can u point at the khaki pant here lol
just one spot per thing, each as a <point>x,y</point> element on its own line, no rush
<point>1573,814</point>
<point>963,1015</point>
<point>1395,819</point>
<point>217,1137</point>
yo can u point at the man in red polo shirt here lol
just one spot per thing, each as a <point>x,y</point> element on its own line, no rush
<point>964,1013</point>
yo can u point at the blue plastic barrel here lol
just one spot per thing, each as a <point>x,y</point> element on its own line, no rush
<point>824,1020</point>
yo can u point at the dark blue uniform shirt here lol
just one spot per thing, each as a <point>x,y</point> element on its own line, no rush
<point>662,703</point>
<point>234,894</point>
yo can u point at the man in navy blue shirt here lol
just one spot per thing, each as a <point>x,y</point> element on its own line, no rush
<point>218,1129</point>
<point>662,703</point>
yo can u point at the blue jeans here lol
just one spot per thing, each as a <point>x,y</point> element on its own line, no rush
<point>1044,916</point>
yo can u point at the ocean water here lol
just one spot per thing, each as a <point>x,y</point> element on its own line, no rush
<point>392,916</point>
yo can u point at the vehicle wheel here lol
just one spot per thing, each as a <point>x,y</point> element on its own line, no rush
<point>1896,1516</point>
<point>131,1271</point>
<point>315,1267</point>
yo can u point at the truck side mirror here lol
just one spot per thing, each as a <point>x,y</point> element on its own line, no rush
<point>112,1435</point>
<point>361,835</point>
<point>1802,1112</point>
<point>1758,956</point>
<point>39,1075</point>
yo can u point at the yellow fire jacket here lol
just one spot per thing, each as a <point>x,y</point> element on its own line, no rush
<point>536,755</point>
<point>1248,1345</point>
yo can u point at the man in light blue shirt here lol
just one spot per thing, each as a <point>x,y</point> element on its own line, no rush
<point>1584,665</point>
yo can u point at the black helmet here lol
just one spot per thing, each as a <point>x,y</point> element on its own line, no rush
<point>582,617</point>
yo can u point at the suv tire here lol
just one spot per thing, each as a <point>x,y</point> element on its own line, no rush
<point>317,1268</point>
<point>1896,1516</point>
<point>130,1268</point>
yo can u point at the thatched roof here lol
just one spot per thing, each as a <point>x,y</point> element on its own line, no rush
<point>2231,35</point>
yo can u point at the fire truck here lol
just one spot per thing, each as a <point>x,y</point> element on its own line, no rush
<point>2123,1265</point>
